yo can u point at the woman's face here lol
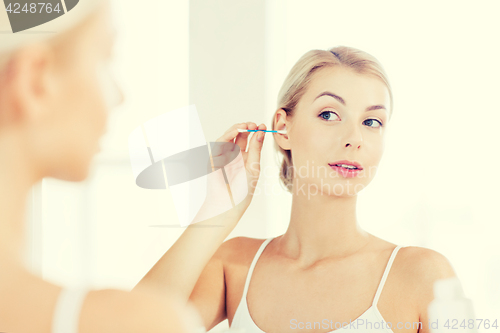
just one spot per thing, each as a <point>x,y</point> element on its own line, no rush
<point>78,111</point>
<point>342,116</point>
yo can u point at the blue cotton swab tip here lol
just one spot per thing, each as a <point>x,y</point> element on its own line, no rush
<point>247,130</point>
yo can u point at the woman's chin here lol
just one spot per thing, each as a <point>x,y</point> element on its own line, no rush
<point>81,176</point>
<point>70,175</point>
<point>341,187</point>
<point>76,171</point>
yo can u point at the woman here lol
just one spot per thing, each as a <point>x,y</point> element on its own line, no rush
<point>335,106</point>
<point>52,114</point>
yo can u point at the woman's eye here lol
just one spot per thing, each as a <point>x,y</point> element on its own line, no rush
<point>327,115</point>
<point>372,121</point>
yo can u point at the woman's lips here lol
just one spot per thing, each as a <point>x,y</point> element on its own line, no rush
<point>347,173</point>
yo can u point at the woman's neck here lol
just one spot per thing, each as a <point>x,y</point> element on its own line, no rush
<point>16,179</point>
<point>322,227</point>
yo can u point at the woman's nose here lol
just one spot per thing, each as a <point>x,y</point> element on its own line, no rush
<point>118,95</point>
<point>121,95</point>
<point>353,137</point>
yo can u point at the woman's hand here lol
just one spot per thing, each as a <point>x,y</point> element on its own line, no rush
<point>241,168</point>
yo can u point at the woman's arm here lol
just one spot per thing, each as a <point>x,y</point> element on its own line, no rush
<point>179,269</point>
<point>118,311</point>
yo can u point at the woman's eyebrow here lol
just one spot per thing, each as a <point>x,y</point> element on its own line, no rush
<point>327,93</point>
<point>341,100</point>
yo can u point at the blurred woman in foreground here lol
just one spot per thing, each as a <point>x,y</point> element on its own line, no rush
<point>55,92</point>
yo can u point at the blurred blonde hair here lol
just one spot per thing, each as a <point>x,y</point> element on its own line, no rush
<point>300,76</point>
<point>48,31</point>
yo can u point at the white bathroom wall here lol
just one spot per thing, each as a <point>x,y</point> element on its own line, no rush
<point>227,77</point>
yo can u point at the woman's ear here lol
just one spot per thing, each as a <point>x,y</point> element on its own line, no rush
<point>27,83</point>
<point>280,123</point>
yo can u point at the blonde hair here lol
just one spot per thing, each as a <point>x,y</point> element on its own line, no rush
<point>53,32</point>
<point>300,76</point>
<point>10,41</point>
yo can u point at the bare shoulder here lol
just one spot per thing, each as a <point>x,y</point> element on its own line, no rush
<point>425,264</point>
<point>239,250</point>
<point>420,268</point>
<point>111,310</point>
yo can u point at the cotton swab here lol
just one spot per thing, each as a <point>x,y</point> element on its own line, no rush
<point>259,130</point>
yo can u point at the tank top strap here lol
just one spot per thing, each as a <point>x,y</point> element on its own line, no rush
<point>252,265</point>
<point>384,276</point>
<point>67,311</point>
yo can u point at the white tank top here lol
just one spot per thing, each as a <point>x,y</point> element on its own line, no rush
<point>67,311</point>
<point>243,319</point>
